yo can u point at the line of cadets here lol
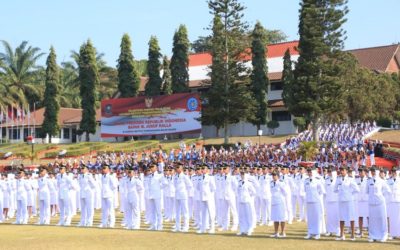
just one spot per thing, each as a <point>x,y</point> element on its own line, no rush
<point>231,198</point>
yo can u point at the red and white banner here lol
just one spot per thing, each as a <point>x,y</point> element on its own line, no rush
<point>159,115</point>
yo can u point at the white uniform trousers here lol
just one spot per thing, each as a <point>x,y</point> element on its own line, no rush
<point>229,207</point>
<point>393,212</point>
<point>34,205</point>
<point>22,212</point>
<point>65,211</point>
<point>87,210</point>
<point>257,206</point>
<point>332,217</point>
<point>1,206</point>
<point>245,218</point>
<point>155,214</point>
<point>197,212</point>
<point>288,199</point>
<point>265,211</point>
<point>190,206</point>
<point>219,211</point>
<point>72,207</point>
<point>13,204</point>
<point>107,212</point>
<point>44,211</point>
<point>132,214</point>
<point>169,208</point>
<point>147,212</point>
<point>142,201</point>
<point>181,211</point>
<point>298,202</point>
<point>207,215</point>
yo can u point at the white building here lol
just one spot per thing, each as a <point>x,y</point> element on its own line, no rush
<point>18,130</point>
<point>198,72</point>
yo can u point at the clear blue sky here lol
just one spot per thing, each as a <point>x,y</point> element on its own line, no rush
<point>66,24</point>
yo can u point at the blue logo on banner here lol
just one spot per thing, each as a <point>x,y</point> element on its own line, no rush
<point>192,104</point>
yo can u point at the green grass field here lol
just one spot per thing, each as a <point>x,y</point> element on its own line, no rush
<point>53,237</point>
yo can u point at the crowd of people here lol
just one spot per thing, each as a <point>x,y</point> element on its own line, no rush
<point>209,190</point>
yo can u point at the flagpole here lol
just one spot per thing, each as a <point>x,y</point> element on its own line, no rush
<point>2,122</point>
<point>29,120</point>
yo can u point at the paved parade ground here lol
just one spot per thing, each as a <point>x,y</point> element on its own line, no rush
<point>54,237</point>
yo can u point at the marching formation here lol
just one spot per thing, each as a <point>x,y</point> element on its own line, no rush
<point>234,189</point>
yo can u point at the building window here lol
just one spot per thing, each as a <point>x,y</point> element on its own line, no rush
<point>38,133</point>
<point>14,134</point>
<point>276,86</point>
<point>66,133</point>
<point>26,133</point>
<point>281,116</point>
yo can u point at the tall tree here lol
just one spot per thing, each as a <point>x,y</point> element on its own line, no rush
<point>289,86</point>
<point>128,78</point>
<point>167,82</point>
<point>229,98</point>
<point>203,43</point>
<point>259,75</point>
<point>50,125</point>
<point>212,105</point>
<point>317,75</point>
<point>180,60</point>
<point>20,75</point>
<point>153,86</point>
<point>89,80</point>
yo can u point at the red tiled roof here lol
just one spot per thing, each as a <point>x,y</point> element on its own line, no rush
<point>376,58</point>
<point>274,50</point>
<point>37,117</point>
<point>77,119</point>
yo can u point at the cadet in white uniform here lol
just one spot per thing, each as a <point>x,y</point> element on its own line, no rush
<point>229,187</point>
<point>362,199</point>
<point>44,198</point>
<point>377,226</point>
<point>3,189</point>
<point>87,186</point>
<point>108,186</point>
<point>314,190</point>
<point>133,186</point>
<point>265,197</point>
<point>22,197</point>
<point>196,198</point>
<point>285,177</point>
<point>64,184</point>
<point>298,195</point>
<point>155,185</point>
<point>206,186</point>
<point>169,195</point>
<point>347,188</point>
<point>245,192</point>
<point>6,197</point>
<point>393,209</point>
<point>191,193</point>
<point>219,196</point>
<point>279,212</point>
<point>53,195</point>
<point>332,205</point>
<point>182,186</point>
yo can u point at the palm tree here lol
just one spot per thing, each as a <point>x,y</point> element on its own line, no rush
<point>69,96</point>
<point>20,77</point>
